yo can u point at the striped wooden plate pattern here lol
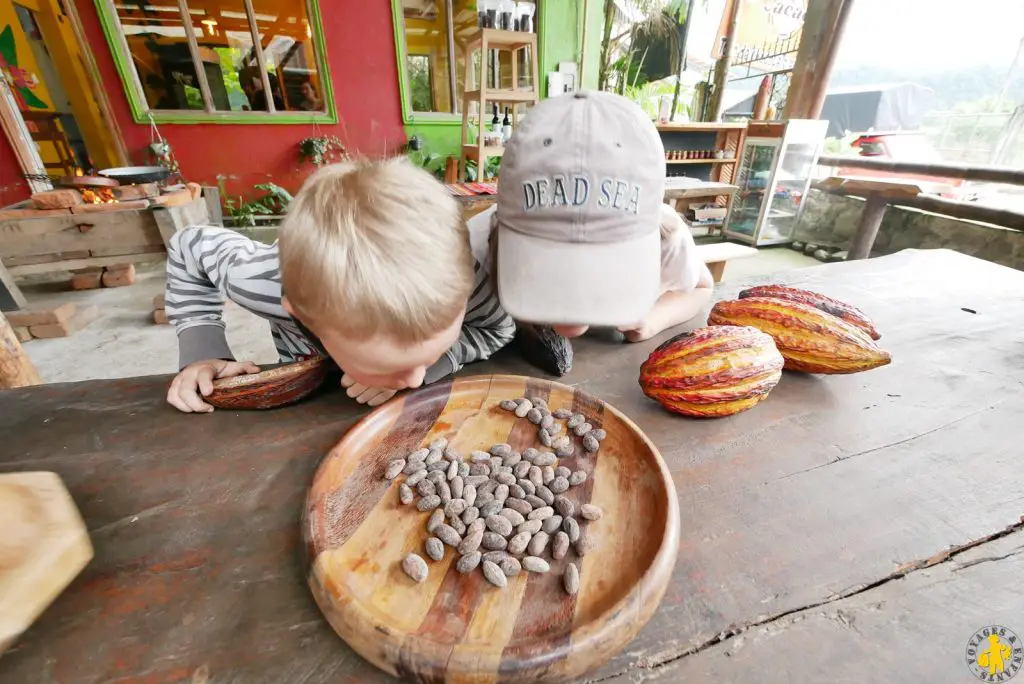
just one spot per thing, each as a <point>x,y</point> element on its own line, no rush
<point>457,628</point>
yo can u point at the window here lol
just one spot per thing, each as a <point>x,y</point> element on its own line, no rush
<point>435,33</point>
<point>219,59</point>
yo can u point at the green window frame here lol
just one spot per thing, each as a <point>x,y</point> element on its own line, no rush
<point>143,113</point>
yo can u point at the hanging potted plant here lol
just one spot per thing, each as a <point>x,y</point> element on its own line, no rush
<point>321,150</point>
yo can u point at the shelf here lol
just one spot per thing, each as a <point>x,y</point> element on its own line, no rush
<point>474,151</point>
<point>505,95</point>
<point>700,161</point>
<point>700,126</point>
<point>498,39</point>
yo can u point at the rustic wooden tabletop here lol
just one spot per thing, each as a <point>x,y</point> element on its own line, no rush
<point>851,528</point>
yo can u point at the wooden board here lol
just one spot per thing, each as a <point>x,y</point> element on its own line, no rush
<point>43,546</point>
<point>458,627</point>
<point>55,234</point>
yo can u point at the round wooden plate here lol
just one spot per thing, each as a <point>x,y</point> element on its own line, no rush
<point>459,628</point>
<point>270,388</point>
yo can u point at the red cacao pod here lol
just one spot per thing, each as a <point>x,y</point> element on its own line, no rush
<point>712,372</point>
<point>850,314</point>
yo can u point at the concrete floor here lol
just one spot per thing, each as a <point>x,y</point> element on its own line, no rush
<point>124,342</point>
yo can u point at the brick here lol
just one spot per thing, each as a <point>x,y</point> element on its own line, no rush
<point>83,317</point>
<point>8,214</point>
<point>119,277</point>
<point>158,301</point>
<point>57,199</point>
<point>92,280</point>
<point>160,317</point>
<point>174,199</point>
<point>28,318</point>
<point>106,208</point>
<point>135,192</point>
<point>22,333</point>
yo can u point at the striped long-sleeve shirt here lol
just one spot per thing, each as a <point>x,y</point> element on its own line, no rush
<point>206,264</point>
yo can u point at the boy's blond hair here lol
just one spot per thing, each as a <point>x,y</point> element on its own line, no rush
<point>376,248</point>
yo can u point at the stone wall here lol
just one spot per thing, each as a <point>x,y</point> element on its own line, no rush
<point>831,220</point>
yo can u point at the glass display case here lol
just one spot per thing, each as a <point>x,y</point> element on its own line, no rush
<point>773,177</point>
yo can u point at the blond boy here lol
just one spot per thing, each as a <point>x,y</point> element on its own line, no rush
<point>373,267</point>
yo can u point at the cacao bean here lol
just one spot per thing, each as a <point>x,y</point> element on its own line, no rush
<point>515,492</point>
<point>429,503</point>
<point>477,480</point>
<point>463,469</point>
<point>459,526</point>
<point>559,485</point>
<point>584,545</point>
<point>528,487</point>
<point>419,454</point>
<point>575,420</point>
<point>393,468</point>
<point>445,492</point>
<point>565,451</point>
<point>435,548</point>
<point>508,405</point>
<point>495,556</point>
<point>515,458</point>
<point>494,574</point>
<point>505,478</point>
<point>591,512</point>
<point>582,429</point>
<point>546,459</point>
<point>571,579</point>
<point>552,524</point>
<point>536,476</point>
<point>547,474</point>
<point>517,544</point>
<point>415,567</point>
<point>541,513</point>
<point>546,495</point>
<point>553,430</point>
<point>538,543</point>
<point>529,454</point>
<point>499,524</point>
<point>536,565</point>
<point>493,541</point>
<point>468,562</point>
<point>479,457</point>
<point>448,535</point>
<point>518,505</point>
<point>572,528</point>
<point>534,416</point>
<point>496,464</point>
<point>471,542</point>
<point>453,470</point>
<point>436,519</point>
<point>435,476</point>
<point>490,508</point>
<point>477,526</point>
<point>501,450</point>
<point>546,422</point>
<point>486,488</point>
<point>513,516</point>
<point>531,526</point>
<point>510,566</point>
<point>413,466</point>
<point>441,466</point>
<point>539,402</point>
<point>562,471</point>
<point>439,443</point>
<point>501,493</point>
<point>564,506</point>
<point>480,469</point>
<point>469,494</point>
<point>599,434</point>
<point>560,545</point>
<point>405,494</point>
<point>433,456</point>
<point>416,478</point>
<point>562,414</point>
<point>577,478</point>
<point>591,444</point>
<point>455,508</point>
<point>426,488</point>
<point>523,408</point>
<point>471,515</point>
<point>451,454</point>
<point>535,501</point>
<point>545,438</point>
<point>521,469</point>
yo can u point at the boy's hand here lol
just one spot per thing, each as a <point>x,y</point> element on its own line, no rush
<point>371,396</point>
<point>639,332</point>
<point>196,381</point>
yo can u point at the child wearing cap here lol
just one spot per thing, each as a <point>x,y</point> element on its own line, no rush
<point>580,235</point>
<point>373,267</point>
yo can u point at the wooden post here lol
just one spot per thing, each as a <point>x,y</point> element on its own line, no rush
<point>867,229</point>
<point>819,41</point>
<point>16,370</point>
<point>11,298</point>
<point>723,63</point>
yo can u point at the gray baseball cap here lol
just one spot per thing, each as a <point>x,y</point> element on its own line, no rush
<point>579,192</point>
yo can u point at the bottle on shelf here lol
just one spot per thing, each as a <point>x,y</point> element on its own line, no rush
<point>506,127</point>
<point>496,121</point>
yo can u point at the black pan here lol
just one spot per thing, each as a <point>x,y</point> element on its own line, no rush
<point>136,174</point>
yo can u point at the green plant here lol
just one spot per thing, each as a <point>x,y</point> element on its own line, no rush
<point>491,167</point>
<point>322,150</point>
<point>273,201</point>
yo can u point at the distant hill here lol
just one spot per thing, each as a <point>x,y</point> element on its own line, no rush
<point>951,88</point>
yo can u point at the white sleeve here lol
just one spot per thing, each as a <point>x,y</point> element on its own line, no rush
<point>480,235</point>
<point>681,266</point>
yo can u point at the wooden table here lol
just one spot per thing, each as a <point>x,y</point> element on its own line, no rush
<point>851,528</point>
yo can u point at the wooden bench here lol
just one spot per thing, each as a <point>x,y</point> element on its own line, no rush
<point>716,255</point>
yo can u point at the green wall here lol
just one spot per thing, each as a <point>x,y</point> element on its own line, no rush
<point>561,27</point>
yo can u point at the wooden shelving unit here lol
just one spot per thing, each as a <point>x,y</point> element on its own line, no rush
<point>486,40</point>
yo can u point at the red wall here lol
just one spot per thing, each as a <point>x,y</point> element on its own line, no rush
<point>361,54</point>
<point>12,186</point>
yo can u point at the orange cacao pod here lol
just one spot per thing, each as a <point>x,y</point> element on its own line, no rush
<point>712,372</point>
<point>850,314</point>
<point>811,340</point>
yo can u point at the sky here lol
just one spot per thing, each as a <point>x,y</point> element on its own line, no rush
<point>932,34</point>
